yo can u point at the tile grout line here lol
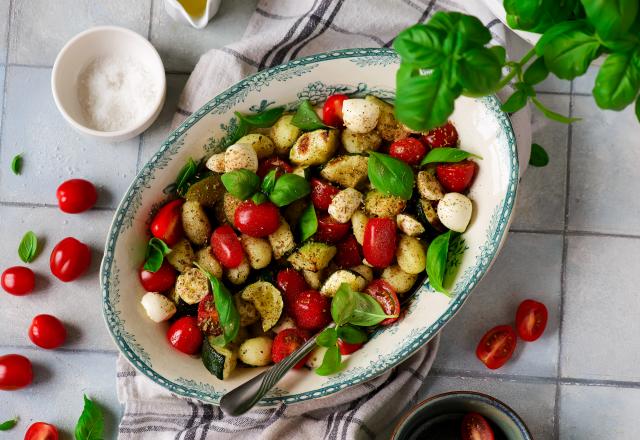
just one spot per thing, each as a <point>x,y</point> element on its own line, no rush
<point>48,205</point>
<point>61,349</point>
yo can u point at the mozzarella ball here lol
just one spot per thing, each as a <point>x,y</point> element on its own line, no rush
<point>454,211</point>
<point>344,204</point>
<point>360,115</point>
<point>240,156</point>
<point>158,307</point>
<point>216,163</point>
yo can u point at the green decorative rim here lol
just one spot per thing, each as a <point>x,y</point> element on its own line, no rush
<point>362,57</point>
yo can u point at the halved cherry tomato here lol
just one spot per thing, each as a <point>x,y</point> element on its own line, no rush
<point>208,318</point>
<point>18,280</point>
<point>531,319</point>
<point>311,310</point>
<point>346,348</point>
<point>226,247</point>
<point>379,244</point>
<point>348,253</point>
<point>497,346</point>
<point>332,110</point>
<point>445,136</point>
<point>76,195</point>
<point>185,335</point>
<point>41,431</point>
<point>273,163</point>
<point>409,150</point>
<point>456,177</point>
<point>286,342</point>
<point>257,220</point>
<point>330,230</point>
<point>291,283</point>
<point>167,223</point>
<point>476,427</point>
<point>69,259</point>
<point>159,281</point>
<point>322,193</point>
<point>386,297</point>
<point>47,331</point>
<point>15,372</point>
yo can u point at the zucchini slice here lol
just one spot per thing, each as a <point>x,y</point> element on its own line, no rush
<point>220,361</point>
<point>312,256</point>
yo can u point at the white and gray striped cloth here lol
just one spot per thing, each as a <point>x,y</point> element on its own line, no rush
<point>281,30</point>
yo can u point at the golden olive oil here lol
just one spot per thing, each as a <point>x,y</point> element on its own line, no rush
<point>195,8</point>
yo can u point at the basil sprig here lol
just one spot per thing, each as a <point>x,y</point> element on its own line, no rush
<point>183,181</point>
<point>90,425</point>
<point>268,182</point>
<point>241,183</point>
<point>258,120</point>
<point>308,222</point>
<point>156,251</point>
<point>8,424</point>
<point>28,247</point>
<point>539,157</point>
<point>390,175</point>
<point>443,259</point>
<point>447,154</point>
<point>306,117</point>
<point>289,188</point>
<point>16,164</point>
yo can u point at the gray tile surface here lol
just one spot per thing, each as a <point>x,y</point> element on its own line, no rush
<point>4,29</point>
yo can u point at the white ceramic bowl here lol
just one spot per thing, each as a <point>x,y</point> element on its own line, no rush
<point>85,48</point>
<point>484,129</point>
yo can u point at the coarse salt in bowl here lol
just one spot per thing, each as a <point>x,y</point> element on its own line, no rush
<point>109,82</point>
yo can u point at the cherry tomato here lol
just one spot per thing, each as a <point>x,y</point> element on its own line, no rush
<point>322,193</point>
<point>257,220</point>
<point>208,319</point>
<point>496,346</point>
<point>476,427</point>
<point>76,195</point>
<point>159,281</point>
<point>15,372</point>
<point>379,244</point>
<point>330,230</point>
<point>18,280</point>
<point>456,177</point>
<point>311,310</point>
<point>69,259</point>
<point>445,136</point>
<point>332,110</point>
<point>167,223</point>
<point>348,253</point>
<point>185,336</point>
<point>226,247</point>
<point>273,163</point>
<point>47,331</point>
<point>286,342</point>
<point>531,319</point>
<point>346,348</point>
<point>386,297</point>
<point>41,431</point>
<point>291,283</point>
<point>409,150</point>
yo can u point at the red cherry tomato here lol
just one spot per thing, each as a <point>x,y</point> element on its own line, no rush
<point>69,259</point>
<point>41,431</point>
<point>445,136</point>
<point>47,331</point>
<point>531,319</point>
<point>348,253</point>
<point>208,319</point>
<point>167,223</point>
<point>456,177</point>
<point>330,230</point>
<point>346,348</point>
<point>226,247</point>
<point>322,193</point>
<point>311,310</point>
<point>257,220</point>
<point>409,150</point>
<point>286,342</point>
<point>76,195</point>
<point>159,281</point>
<point>185,336</point>
<point>291,283</point>
<point>273,163</point>
<point>476,427</point>
<point>18,280</point>
<point>386,297</point>
<point>379,244</point>
<point>496,346</point>
<point>332,110</point>
<point>15,372</point>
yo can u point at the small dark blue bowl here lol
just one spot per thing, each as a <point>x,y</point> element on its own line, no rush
<point>443,413</point>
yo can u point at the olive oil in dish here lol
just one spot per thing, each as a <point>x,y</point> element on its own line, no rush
<point>195,8</point>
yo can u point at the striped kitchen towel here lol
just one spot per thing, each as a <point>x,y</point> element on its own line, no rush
<point>279,31</point>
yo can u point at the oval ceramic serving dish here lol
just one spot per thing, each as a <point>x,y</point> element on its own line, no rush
<point>484,129</point>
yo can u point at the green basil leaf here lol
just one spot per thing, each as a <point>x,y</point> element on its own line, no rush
<point>437,261</point>
<point>352,335</point>
<point>551,114</point>
<point>367,311</point>
<point>306,117</point>
<point>185,175</point>
<point>479,71</point>
<point>500,53</point>
<point>28,247</point>
<point>241,183</point>
<point>269,182</point>
<point>263,119</point>
<point>331,363</point>
<point>343,304</point>
<point>447,154</point>
<point>8,424</point>
<point>227,313</point>
<point>539,157</point>
<point>156,251</point>
<point>457,247</point>
<point>638,108</point>
<point>327,338</point>
<point>611,18</point>
<point>536,72</point>
<point>161,245</point>
<point>308,222</point>
<point>618,82</point>
<point>288,189</point>
<point>540,15</point>
<point>406,71</point>
<point>90,425</point>
<point>259,198</point>
<point>16,164</point>
<point>421,46</point>
<point>390,175</point>
<point>516,102</point>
